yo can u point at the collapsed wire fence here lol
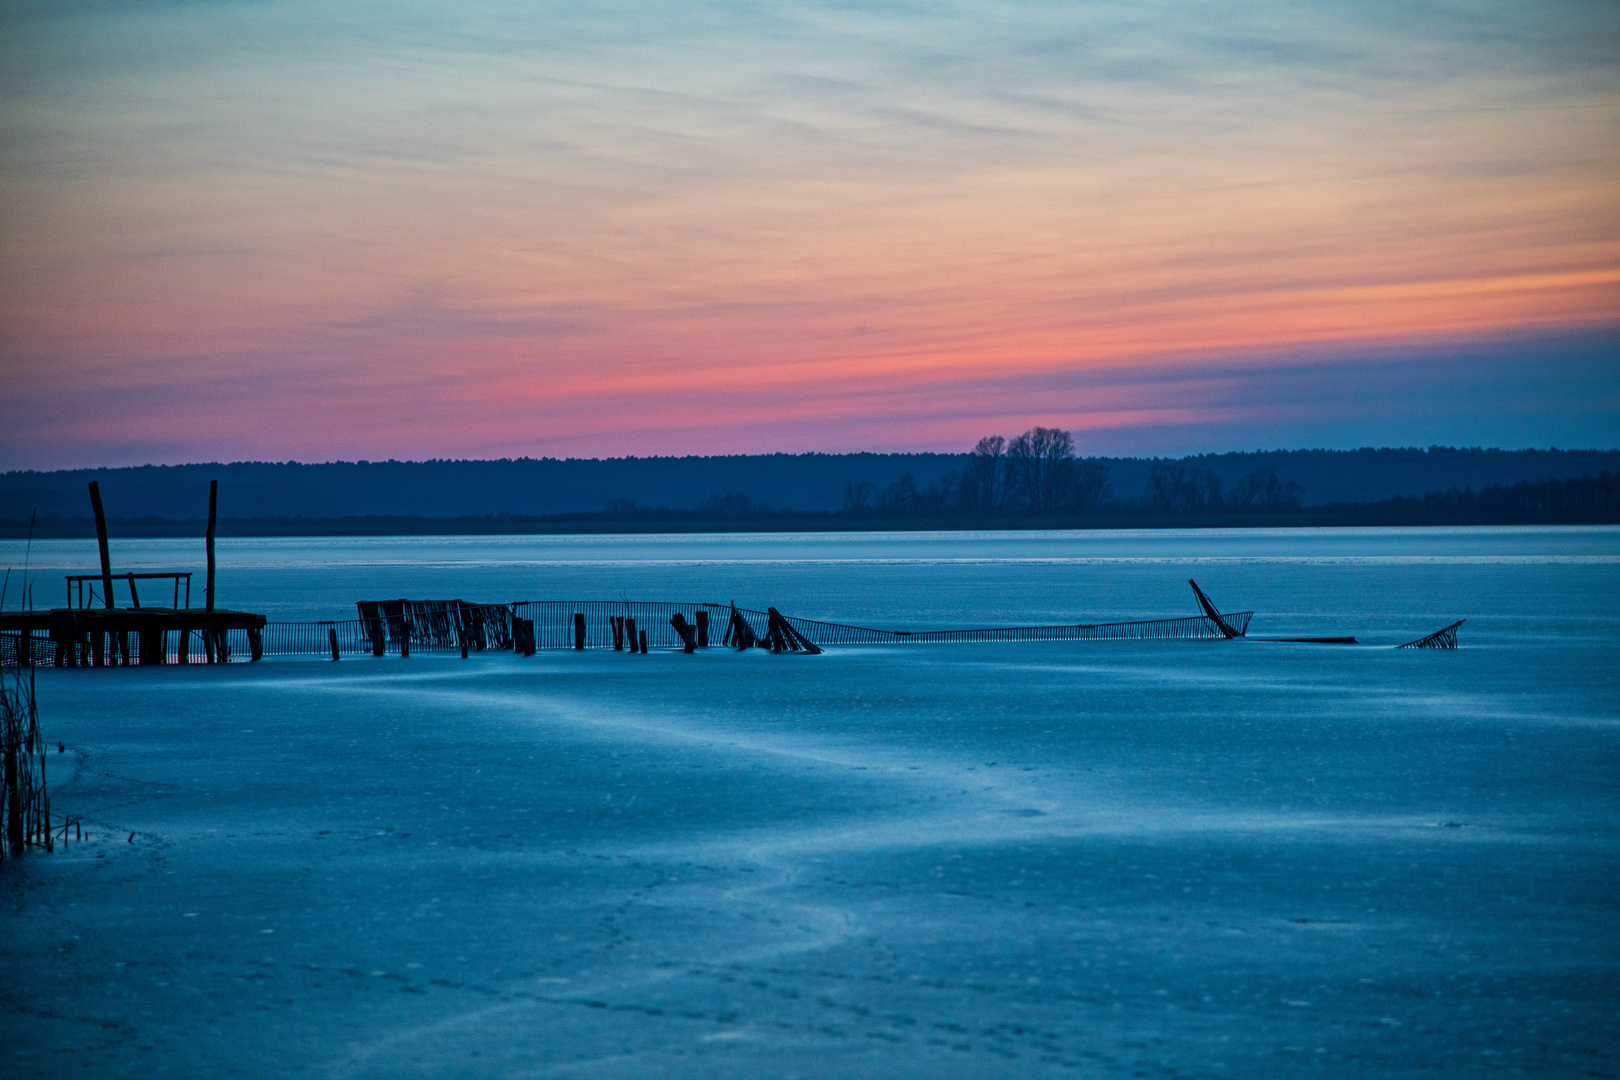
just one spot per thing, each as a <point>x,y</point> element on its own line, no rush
<point>441,626</point>
<point>1443,638</point>
<point>1195,627</point>
<point>405,626</point>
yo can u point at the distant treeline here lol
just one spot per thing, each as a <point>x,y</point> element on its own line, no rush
<point>1020,493</point>
<point>1586,500</point>
<point>1029,481</point>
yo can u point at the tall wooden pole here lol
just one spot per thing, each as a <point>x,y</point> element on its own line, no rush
<point>101,539</point>
<point>213,509</point>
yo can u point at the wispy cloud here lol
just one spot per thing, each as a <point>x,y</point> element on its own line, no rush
<point>418,217</point>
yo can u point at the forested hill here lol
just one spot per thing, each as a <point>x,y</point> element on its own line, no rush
<point>804,482</point>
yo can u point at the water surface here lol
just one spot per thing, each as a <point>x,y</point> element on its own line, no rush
<point>1199,858</point>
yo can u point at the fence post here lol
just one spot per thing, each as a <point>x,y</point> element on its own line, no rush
<point>331,637</point>
<point>684,629</point>
<point>579,630</point>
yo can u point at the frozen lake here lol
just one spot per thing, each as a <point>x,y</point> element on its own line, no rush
<point>1222,859</point>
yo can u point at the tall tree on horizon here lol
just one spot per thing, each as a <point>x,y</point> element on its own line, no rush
<point>1040,467</point>
<point>984,480</point>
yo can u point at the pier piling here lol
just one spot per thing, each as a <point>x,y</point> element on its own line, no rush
<point>208,542</point>
<point>101,543</point>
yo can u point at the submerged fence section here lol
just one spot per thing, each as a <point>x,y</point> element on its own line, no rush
<point>439,626</point>
<point>400,627</point>
<point>1195,627</point>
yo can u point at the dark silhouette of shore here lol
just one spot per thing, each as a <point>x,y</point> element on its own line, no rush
<point>1033,480</point>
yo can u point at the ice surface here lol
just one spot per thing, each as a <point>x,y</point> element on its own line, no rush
<point>1139,858</point>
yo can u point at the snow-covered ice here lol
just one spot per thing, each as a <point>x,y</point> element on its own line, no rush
<point>1138,858</point>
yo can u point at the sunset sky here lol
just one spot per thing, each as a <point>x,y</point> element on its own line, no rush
<point>272,230</point>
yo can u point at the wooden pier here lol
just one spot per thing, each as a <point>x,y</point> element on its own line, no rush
<point>111,637</point>
<point>84,634</point>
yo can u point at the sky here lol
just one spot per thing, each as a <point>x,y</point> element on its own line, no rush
<point>278,230</point>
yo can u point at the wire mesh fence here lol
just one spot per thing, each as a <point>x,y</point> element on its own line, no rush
<point>123,648</point>
<point>405,626</point>
<point>1195,627</point>
<point>432,630</point>
<point>1444,638</point>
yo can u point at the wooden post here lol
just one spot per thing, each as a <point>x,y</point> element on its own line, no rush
<point>630,632</point>
<point>740,633</point>
<point>685,630</point>
<point>579,630</point>
<point>101,542</point>
<point>331,637</point>
<point>208,541</point>
<point>255,643</point>
<point>183,651</point>
<point>643,642</point>
<point>702,618</point>
<point>405,643</point>
<point>123,647</point>
<point>616,624</point>
<point>151,645</point>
